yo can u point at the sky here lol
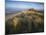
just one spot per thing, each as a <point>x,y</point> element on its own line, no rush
<point>20,5</point>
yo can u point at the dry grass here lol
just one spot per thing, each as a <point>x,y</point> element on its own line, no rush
<point>27,21</point>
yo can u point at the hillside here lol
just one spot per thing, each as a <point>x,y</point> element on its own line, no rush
<point>26,21</point>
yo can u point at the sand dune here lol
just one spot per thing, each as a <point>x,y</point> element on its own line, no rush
<point>25,21</point>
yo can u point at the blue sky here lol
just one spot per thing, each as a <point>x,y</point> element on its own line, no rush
<point>18,5</point>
